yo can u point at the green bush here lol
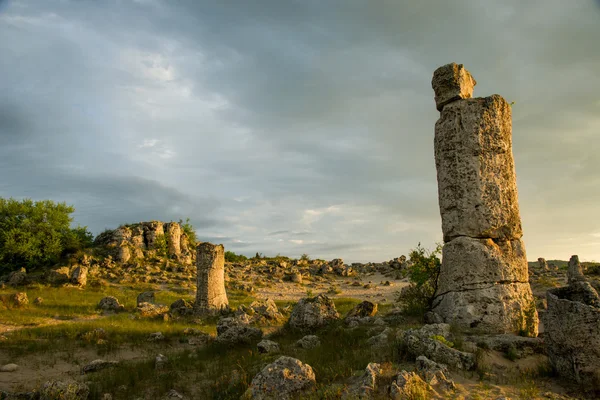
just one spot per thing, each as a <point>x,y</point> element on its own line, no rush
<point>230,256</point>
<point>189,231</point>
<point>423,270</point>
<point>37,233</point>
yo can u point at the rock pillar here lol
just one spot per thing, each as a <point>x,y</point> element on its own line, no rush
<point>210,292</point>
<point>484,281</point>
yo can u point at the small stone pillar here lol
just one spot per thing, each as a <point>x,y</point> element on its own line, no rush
<point>210,292</point>
<point>574,272</point>
<point>543,264</point>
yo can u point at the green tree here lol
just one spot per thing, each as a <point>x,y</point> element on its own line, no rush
<point>230,256</point>
<point>37,233</point>
<point>423,271</point>
<point>189,231</point>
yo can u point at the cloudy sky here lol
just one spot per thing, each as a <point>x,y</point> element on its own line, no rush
<point>294,126</point>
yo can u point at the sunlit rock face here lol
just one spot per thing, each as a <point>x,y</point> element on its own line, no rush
<point>210,292</point>
<point>484,281</point>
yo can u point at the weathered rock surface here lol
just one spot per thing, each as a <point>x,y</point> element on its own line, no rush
<point>210,295</point>
<point>434,373</point>
<point>484,277</point>
<point>425,342</point>
<point>98,365</point>
<point>543,264</point>
<point>311,313</point>
<point>9,368</point>
<point>285,379</point>
<point>364,309</point>
<point>574,271</point>
<point>17,278</point>
<point>64,390</point>
<point>110,303</point>
<point>451,82</point>
<point>79,276</point>
<point>475,170</point>
<point>145,297</point>
<point>366,385</point>
<point>309,342</point>
<point>267,346</point>
<point>237,330</point>
<point>19,299</point>
<point>572,333</point>
<point>407,385</point>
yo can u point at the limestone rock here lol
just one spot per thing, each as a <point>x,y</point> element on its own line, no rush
<point>364,309</point>
<point>19,299</point>
<point>145,297</point>
<point>451,82</point>
<point>366,385</point>
<point>408,385</point>
<point>574,271</point>
<point>152,231</point>
<point>98,365</point>
<point>434,373</point>
<point>17,278</point>
<point>211,296</point>
<point>79,276</point>
<point>543,264</point>
<point>475,170</point>
<point>173,233</point>
<point>64,390</point>
<point>160,362</point>
<point>110,303</point>
<point>267,346</point>
<point>237,330</point>
<point>9,368</point>
<point>285,379</point>
<point>491,308</point>
<point>572,336</point>
<point>149,310</point>
<point>182,307</point>
<point>425,342</point>
<point>57,276</point>
<point>309,342</point>
<point>311,313</point>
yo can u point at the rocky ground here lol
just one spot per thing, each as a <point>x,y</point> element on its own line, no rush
<point>106,329</point>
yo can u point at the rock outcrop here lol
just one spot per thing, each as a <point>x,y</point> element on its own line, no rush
<point>484,281</point>
<point>144,240</point>
<point>572,330</point>
<point>210,292</point>
<point>285,379</point>
<point>312,313</point>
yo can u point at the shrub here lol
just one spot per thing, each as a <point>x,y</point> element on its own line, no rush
<point>304,257</point>
<point>189,231</point>
<point>423,270</point>
<point>37,233</point>
<point>230,256</point>
<point>161,245</point>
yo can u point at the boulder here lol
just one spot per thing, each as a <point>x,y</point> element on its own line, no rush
<point>182,307</point>
<point>364,309</point>
<point>452,82</point>
<point>309,342</point>
<point>9,368</point>
<point>267,346</point>
<point>237,330</point>
<point>434,373</point>
<point>285,379</point>
<point>572,335</point>
<point>98,365</point>
<point>366,385</point>
<point>409,385</point>
<point>427,341</point>
<point>145,297</point>
<point>64,390</point>
<point>79,276</point>
<point>17,278</point>
<point>111,304</point>
<point>311,313</point>
<point>19,299</point>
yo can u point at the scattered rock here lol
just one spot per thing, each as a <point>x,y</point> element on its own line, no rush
<point>267,346</point>
<point>434,373</point>
<point>19,299</point>
<point>145,297</point>
<point>182,307</point>
<point>149,310</point>
<point>98,365</point>
<point>309,342</point>
<point>160,361</point>
<point>425,342</point>
<point>285,379</point>
<point>237,330</point>
<point>17,278</point>
<point>64,390</point>
<point>173,394</point>
<point>311,313</point>
<point>156,337</point>
<point>366,385</point>
<point>364,309</point>
<point>110,304</point>
<point>9,368</point>
<point>380,340</point>
<point>409,385</point>
<point>431,317</point>
<point>79,276</point>
<point>38,300</point>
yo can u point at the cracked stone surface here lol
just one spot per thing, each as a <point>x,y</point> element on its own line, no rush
<point>210,295</point>
<point>484,277</point>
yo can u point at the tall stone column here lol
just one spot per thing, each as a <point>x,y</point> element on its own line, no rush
<point>484,279</point>
<point>210,292</point>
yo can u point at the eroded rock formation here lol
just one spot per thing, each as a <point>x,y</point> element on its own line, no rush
<point>147,239</point>
<point>484,280</point>
<point>210,293</point>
